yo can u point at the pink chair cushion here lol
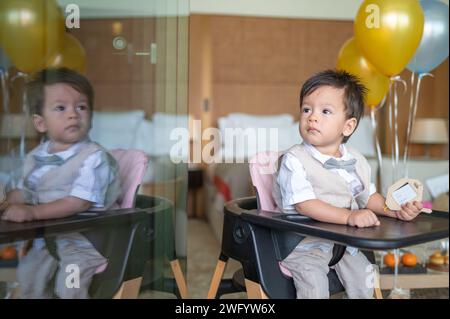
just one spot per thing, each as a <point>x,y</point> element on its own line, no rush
<point>132,166</point>
<point>262,168</point>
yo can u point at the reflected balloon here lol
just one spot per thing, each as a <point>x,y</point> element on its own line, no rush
<point>71,56</point>
<point>351,60</point>
<point>433,48</point>
<point>388,33</point>
<point>30,31</point>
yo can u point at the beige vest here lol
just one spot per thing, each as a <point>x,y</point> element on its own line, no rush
<point>327,185</point>
<point>57,183</point>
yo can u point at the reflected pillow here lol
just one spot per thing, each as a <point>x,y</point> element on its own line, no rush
<point>154,138</point>
<point>115,129</point>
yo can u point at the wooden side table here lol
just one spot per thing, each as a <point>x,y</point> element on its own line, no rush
<point>415,281</point>
<point>195,187</point>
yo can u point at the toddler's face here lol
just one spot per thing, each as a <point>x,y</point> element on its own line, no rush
<point>66,117</point>
<point>323,121</point>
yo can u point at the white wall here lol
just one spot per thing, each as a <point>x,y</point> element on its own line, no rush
<point>128,8</point>
<point>312,9</point>
<point>309,9</point>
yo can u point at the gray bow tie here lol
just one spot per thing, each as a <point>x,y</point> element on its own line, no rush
<point>332,163</point>
<point>47,160</point>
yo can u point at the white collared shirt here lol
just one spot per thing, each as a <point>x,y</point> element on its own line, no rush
<point>295,187</point>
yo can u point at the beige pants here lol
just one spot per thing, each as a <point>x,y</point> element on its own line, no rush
<point>41,276</point>
<point>309,269</point>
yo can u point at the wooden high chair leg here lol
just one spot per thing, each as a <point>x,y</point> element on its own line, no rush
<point>377,287</point>
<point>254,290</point>
<point>217,277</point>
<point>129,289</point>
<point>179,278</point>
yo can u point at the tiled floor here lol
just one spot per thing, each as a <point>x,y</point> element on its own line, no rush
<point>203,252</point>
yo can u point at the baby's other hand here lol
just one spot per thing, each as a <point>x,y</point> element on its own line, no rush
<point>363,218</point>
<point>409,211</point>
<point>18,213</point>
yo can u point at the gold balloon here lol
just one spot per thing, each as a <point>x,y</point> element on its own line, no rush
<point>351,60</point>
<point>30,31</point>
<point>71,56</point>
<point>388,32</point>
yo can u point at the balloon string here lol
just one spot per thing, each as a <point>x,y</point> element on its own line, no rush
<point>4,88</point>
<point>409,126</point>
<point>394,110</point>
<point>396,129</point>
<point>375,136</point>
<point>391,130</point>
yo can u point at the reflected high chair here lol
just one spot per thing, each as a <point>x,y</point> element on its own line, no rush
<point>132,166</point>
<point>124,236</point>
<point>259,237</point>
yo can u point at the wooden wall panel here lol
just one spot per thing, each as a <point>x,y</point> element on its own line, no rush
<point>122,80</point>
<point>260,63</point>
<point>257,66</point>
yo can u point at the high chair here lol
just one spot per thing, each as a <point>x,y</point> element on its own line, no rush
<point>259,237</point>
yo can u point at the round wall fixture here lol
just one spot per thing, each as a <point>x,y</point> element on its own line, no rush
<point>119,43</point>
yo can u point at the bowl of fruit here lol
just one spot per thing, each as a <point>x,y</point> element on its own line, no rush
<point>407,263</point>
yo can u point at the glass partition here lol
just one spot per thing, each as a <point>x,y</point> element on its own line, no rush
<point>135,55</point>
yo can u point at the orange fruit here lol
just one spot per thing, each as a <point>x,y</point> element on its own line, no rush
<point>9,252</point>
<point>409,259</point>
<point>389,260</point>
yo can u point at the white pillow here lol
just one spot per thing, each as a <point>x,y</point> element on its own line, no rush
<point>145,134</point>
<point>273,139</point>
<point>437,185</point>
<point>115,129</point>
<point>266,121</point>
<point>362,138</point>
<point>171,120</point>
<point>153,137</point>
<point>289,136</point>
<point>223,123</point>
<point>244,121</point>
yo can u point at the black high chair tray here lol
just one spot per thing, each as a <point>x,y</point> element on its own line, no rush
<point>392,233</point>
<point>85,221</point>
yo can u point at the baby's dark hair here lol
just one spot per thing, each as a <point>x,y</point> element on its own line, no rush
<point>354,94</point>
<point>34,87</point>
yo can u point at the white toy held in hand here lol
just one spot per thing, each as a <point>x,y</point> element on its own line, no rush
<point>403,191</point>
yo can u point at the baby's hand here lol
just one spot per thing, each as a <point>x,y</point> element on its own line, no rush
<point>18,213</point>
<point>363,218</point>
<point>409,211</point>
